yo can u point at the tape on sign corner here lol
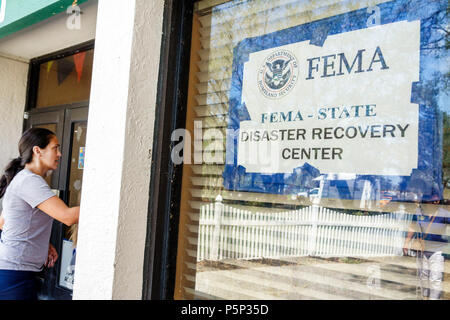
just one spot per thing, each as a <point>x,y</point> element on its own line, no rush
<point>420,94</point>
<point>242,113</point>
<point>306,168</point>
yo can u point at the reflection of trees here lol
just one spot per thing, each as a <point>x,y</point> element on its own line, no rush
<point>446,150</point>
<point>226,36</point>
<point>434,81</point>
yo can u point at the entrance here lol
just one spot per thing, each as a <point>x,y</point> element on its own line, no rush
<point>70,125</point>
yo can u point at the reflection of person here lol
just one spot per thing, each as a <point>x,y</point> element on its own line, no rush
<point>70,272</point>
<point>29,207</point>
<point>429,227</point>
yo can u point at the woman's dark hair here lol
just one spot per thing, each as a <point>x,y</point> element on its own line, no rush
<point>32,137</point>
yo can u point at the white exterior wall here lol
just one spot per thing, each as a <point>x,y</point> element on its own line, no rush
<point>13,85</point>
<point>114,206</point>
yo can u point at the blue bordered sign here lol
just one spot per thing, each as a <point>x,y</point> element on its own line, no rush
<point>343,101</point>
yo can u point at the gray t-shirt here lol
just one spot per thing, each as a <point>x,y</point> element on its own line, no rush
<point>26,233</point>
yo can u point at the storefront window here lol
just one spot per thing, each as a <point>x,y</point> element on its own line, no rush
<point>315,162</point>
<point>65,80</point>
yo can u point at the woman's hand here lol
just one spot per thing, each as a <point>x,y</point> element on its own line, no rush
<point>52,256</point>
<point>2,221</point>
<point>406,247</point>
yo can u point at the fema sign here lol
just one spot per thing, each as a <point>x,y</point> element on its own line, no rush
<point>278,74</point>
<point>337,96</point>
<point>326,108</point>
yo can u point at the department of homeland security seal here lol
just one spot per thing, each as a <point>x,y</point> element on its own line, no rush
<point>278,74</point>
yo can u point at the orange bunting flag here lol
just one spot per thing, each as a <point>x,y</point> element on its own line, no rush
<point>65,68</point>
<point>79,63</point>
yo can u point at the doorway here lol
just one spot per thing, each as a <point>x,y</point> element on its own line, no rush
<point>58,99</point>
<point>70,126</point>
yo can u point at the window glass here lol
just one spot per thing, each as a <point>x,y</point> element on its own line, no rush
<point>65,80</point>
<point>315,157</point>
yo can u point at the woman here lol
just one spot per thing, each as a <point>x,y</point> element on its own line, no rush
<point>29,207</point>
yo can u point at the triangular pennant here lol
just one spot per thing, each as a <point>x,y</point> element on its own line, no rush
<point>65,67</point>
<point>49,66</point>
<point>79,64</point>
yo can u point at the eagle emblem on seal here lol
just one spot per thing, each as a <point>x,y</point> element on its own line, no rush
<point>277,74</point>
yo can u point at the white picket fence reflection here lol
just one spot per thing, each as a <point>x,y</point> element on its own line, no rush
<point>226,232</point>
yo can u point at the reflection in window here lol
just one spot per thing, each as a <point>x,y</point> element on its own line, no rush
<point>65,80</point>
<point>74,186</point>
<point>52,127</point>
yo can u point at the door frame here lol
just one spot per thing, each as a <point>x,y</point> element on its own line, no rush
<point>72,115</point>
<point>54,116</point>
<point>36,115</point>
<point>68,115</point>
<point>34,68</point>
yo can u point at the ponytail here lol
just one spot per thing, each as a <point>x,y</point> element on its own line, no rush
<point>13,168</point>
<point>32,137</point>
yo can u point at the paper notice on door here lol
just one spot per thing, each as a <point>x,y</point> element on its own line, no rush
<point>81,158</point>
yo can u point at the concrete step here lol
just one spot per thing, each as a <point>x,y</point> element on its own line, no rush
<point>312,278</point>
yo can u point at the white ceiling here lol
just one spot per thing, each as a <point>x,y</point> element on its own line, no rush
<point>50,35</point>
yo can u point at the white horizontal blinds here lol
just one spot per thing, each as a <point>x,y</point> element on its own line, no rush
<point>246,245</point>
<point>207,5</point>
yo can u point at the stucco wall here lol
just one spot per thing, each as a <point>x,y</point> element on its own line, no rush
<point>13,84</point>
<point>114,204</point>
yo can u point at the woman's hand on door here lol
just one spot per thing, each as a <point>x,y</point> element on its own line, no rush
<point>58,210</point>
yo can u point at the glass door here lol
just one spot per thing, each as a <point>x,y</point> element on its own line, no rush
<point>73,165</point>
<point>315,151</point>
<point>70,125</point>
<point>52,121</point>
